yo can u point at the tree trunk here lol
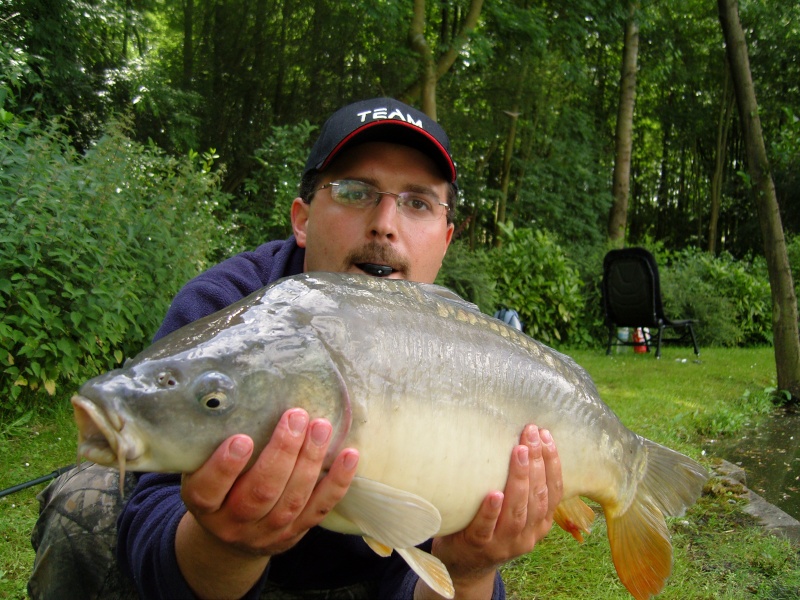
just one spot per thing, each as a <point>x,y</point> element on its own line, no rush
<point>425,86</point>
<point>723,126</point>
<point>784,303</point>
<point>500,216</point>
<point>618,216</point>
<point>420,45</point>
<point>188,46</point>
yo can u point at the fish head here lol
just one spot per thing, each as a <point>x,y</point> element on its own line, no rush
<point>162,415</point>
<point>234,372</point>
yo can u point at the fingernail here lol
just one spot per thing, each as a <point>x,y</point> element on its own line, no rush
<point>533,437</point>
<point>350,460</point>
<point>320,432</point>
<point>546,437</point>
<point>239,448</point>
<point>297,422</point>
<point>522,456</point>
<point>496,501</point>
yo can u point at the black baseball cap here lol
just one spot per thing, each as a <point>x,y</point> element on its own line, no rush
<point>381,120</point>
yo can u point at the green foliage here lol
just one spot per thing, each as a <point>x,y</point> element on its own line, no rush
<point>730,298</point>
<point>535,278</point>
<point>470,275</point>
<point>93,249</point>
<point>733,417</point>
<point>264,212</point>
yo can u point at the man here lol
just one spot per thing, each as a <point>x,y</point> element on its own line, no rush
<point>376,197</point>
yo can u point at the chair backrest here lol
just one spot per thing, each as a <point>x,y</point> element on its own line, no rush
<point>631,289</point>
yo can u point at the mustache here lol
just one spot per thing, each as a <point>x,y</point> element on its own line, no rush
<point>374,252</point>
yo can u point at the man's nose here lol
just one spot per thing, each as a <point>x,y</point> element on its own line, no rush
<point>383,216</point>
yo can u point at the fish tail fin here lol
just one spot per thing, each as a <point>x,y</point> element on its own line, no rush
<point>575,517</point>
<point>640,542</point>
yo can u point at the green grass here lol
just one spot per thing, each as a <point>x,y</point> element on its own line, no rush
<point>719,550</point>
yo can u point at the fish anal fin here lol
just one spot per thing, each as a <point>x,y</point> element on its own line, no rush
<point>575,517</point>
<point>641,549</point>
<point>430,569</point>
<point>377,547</point>
<point>394,517</point>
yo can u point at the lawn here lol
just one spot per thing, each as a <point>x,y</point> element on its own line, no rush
<point>678,400</point>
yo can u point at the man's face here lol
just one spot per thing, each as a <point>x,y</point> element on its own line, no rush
<point>340,238</point>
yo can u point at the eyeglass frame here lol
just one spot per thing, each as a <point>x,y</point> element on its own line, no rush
<point>397,197</point>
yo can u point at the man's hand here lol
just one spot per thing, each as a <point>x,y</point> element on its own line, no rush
<point>236,520</point>
<point>508,524</point>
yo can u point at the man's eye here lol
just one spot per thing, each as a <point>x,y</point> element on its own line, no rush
<point>419,204</point>
<point>354,193</point>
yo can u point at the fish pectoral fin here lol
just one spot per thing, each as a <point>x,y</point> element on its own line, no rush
<point>395,518</point>
<point>378,548</point>
<point>430,569</point>
<point>575,517</point>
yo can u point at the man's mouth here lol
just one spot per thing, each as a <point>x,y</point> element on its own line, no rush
<point>375,269</point>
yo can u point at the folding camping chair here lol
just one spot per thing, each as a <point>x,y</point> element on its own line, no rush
<point>632,299</point>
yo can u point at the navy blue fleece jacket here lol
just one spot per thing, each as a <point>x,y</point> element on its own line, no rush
<point>322,559</point>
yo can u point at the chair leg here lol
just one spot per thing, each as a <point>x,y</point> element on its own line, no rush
<point>694,340</point>
<point>658,341</point>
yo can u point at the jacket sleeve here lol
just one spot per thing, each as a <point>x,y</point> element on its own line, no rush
<point>146,539</point>
<point>232,280</point>
<point>400,581</point>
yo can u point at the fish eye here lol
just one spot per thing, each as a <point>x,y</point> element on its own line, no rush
<point>214,392</point>
<point>214,401</point>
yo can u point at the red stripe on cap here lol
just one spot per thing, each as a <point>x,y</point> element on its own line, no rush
<point>430,137</point>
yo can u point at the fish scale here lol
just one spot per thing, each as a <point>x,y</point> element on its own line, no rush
<point>433,394</point>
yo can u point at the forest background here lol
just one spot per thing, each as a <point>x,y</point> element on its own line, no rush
<point>142,140</point>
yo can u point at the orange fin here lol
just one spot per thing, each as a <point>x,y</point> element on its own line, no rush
<point>641,549</point>
<point>637,530</point>
<point>575,517</point>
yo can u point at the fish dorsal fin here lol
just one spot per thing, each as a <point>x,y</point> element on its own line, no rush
<point>393,517</point>
<point>430,569</point>
<point>450,296</point>
<point>380,549</point>
<point>575,517</point>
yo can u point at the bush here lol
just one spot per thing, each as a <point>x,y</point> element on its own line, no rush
<point>94,247</point>
<point>535,278</point>
<point>730,299</point>
<point>468,273</point>
<point>264,212</point>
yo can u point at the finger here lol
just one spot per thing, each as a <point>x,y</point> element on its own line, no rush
<point>256,492</point>
<point>332,488</point>
<point>538,491</point>
<point>205,490</point>
<point>482,528</point>
<point>304,476</point>
<point>552,463</point>
<point>513,515</point>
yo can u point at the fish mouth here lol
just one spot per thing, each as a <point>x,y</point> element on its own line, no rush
<point>103,438</point>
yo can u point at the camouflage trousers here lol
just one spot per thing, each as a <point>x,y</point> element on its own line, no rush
<point>75,539</point>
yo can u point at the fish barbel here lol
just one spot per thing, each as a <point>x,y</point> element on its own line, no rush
<point>433,394</point>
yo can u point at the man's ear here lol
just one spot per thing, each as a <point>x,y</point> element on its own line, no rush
<point>300,220</point>
<point>448,237</point>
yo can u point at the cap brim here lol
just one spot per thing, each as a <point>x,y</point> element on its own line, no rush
<point>397,132</point>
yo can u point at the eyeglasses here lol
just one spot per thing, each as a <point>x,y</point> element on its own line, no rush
<point>421,206</point>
